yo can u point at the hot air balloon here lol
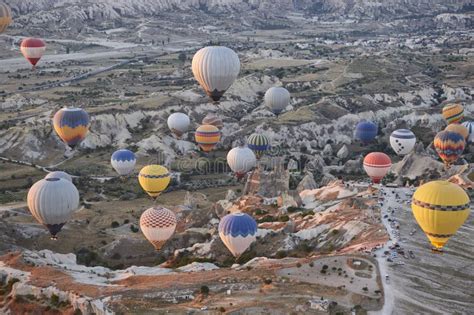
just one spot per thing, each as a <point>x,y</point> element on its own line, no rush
<point>178,124</point>
<point>402,141</point>
<point>123,161</point>
<point>440,208</point>
<point>377,165</point>
<point>215,68</point>
<point>277,99</point>
<point>32,49</point>
<point>458,128</point>
<point>59,174</point>
<point>449,146</point>
<point>71,125</point>
<point>237,231</point>
<point>158,225</point>
<point>5,17</point>
<point>241,160</point>
<point>366,131</point>
<point>453,113</point>
<point>154,179</point>
<point>214,120</point>
<point>258,143</point>
<point>207,137</point>
<point>52,201</point>
<point>470,128</point>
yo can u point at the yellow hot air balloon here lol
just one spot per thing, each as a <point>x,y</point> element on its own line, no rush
<point>453,113</point>
<point>5,17</point>
<point>207,137</point>
<point>440,208</point>
<point>154,179</point>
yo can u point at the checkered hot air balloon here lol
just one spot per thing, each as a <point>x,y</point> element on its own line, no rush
<point>71,125</point>
<point>158,225</point>
<point>449,146</point>
<point>402,141</point>
<point>237,231</point>
<point>258,143</point>
<point>377,165</point>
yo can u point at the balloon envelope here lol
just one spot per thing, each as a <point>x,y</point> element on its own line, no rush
<point>470,128</point>
<point>5,17</point>
<point>123,161</point>
<point>237,231</point>
<point>453,113</point>
<point>215,68</point>
<point>402,141</point>
<point>154,179</point>
<point>440,208</point>
<point>258,143</point>
<point>59,174</point>
<point>458,128</point>
<point>178,123</point>
<point>207,136</point>
<point>214,120</point>
<point>366,131</point>
<point>241,160</point>
<point>449,146</point>
<point>377,165</point>
<point>52,202</point>
<point>158,225</point>
<point>71,125</point>
<point>33,49</point>
<point>277,99</point>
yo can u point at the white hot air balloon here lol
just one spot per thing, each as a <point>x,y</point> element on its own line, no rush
<point>52,202</point>
<point>158,225</point>
<point>215,68</point>
<point>178,124</point>
<point>241,160</point>
<point>59,174</point>
<point>277,99</point>
<point>402,141</point>
<point>237,231</point>
<point>123,161</point>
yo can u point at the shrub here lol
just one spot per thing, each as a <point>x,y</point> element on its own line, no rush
<point>54,300</point>
<point>298,265</point>
<point>365,289</point>
<point>284,218</point>
<point>133,228</point>
<point>205,290</point>
<point>281,254</point>
<point>267,281</point>
<point>311,264</point>
<point>114,224</point>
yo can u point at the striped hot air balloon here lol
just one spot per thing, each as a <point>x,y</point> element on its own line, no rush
<point>33,49</point>
<point>154,179</point>
<point>158,225</point>
<point>215,68</point>
<point>241,160</point>
<point>402,141</point>
<point>207,136</point>
<point>440,208</point>
<point>52,201</point>
<point>449,146</point>
<point>178,124</point>
<point>458,128</point>
<point>213,119</point>
<point>277,99</point>
<point>470,128</point>
<point>453,113</point>
<point>366,131</point>
<point>377,165</point>
<point>71,125</point>
<point>123,161</point>
<point>237,231</point>
<point>59,174</point>
<point>5,17</point>
<point>258,143</point>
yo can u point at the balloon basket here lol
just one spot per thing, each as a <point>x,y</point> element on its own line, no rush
<point>438,251</point>
<point>54,238</point>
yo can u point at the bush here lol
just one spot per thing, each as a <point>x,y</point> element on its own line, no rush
<point>365,289</point>
<point>267,281</point>
<point>133,228</point>
<point>284,218</point>
<point>281,254</point>
<point>54,300</point>
<point>311,264</point>
<point>114,224</point>
<point>222,309</point>
<point>205,290</point>
<point>298,265</point>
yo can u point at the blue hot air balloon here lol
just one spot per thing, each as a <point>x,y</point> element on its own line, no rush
<point>123,161</point>
<point>366,131</point>
<point>237,231</point>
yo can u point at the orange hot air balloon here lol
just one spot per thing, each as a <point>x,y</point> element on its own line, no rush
<point>33,49</point>
<point>207,136</point>
<point>453,113</point>
<point>377,165</point>
<point>458,128</point>
<point>449,146</point>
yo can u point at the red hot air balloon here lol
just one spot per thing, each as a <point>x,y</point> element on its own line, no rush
<point>377,165</point>
<point>33,49</point>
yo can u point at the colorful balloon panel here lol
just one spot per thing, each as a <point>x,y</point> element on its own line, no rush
<point>440,208</point>
<point>377,165</point>
<point>71,125</point>
<point>458,128</point>
<point>207,136</point>
<point>158,225</point>
<point>32,49</point>
<point>237,231</point>
<point>449,146</point>
<point>453,113</point>
<point>366,131</point>
<point>5,17</point>
<point>259,144</point>
<point>154,179</point>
